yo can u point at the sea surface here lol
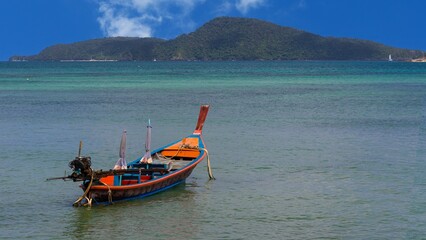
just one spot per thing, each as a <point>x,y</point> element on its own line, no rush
<point>300,150</point>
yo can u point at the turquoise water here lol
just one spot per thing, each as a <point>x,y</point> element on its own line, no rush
<point>300,150</point>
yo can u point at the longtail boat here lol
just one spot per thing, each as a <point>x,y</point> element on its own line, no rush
<point>155,171</point>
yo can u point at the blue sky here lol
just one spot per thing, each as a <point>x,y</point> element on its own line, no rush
<point>28,26</point>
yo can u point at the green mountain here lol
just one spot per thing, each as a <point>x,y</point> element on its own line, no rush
<point>228,38</point>
<point>118,48</point>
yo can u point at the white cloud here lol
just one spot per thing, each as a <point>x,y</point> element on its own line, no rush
<point>244,6</point>
<point>116,22</point>
<point>138,18</point>
<point>224,8</point>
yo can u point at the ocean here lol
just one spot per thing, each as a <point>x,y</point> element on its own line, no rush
<point>300,150</point>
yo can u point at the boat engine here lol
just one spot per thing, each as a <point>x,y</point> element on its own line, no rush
<point>81,167</point>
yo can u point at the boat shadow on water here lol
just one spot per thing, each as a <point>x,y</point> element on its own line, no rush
<point>170,214</point>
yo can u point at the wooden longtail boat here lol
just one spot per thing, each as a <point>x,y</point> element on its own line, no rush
<point>154,172</point>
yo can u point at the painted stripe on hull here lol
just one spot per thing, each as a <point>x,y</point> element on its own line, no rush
<point>117,195</point>
<point>144,195</point>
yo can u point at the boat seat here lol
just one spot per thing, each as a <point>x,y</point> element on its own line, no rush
<point>108,180</point>
<point>111,180</point>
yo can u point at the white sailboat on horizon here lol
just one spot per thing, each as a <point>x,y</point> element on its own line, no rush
<point>390,58</point>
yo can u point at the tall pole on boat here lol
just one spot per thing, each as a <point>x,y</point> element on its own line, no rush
<point>121,163</point>
<point>148,137</point>
<point>147,157</point>
<point>79,148</point>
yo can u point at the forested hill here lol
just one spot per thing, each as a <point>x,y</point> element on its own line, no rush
<point>227,38</point>
<point>118,48</point>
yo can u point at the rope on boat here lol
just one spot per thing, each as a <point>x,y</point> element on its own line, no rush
<point>109,192</point>
<point>109,195</point>
<point>182,146</point>
<point>84,196</point>
<point>89,201</point>
<point>209,167</point>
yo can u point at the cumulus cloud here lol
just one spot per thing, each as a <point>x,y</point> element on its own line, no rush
<point>115,23</point>
<point>244,6</point>
<point>138,18</point>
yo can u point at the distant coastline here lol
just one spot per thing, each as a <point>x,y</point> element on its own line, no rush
<point>226,39</point>
<point>423,59</point>
<point>90,60</point>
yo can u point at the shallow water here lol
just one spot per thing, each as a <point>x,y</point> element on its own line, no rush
<point>300,150</point>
